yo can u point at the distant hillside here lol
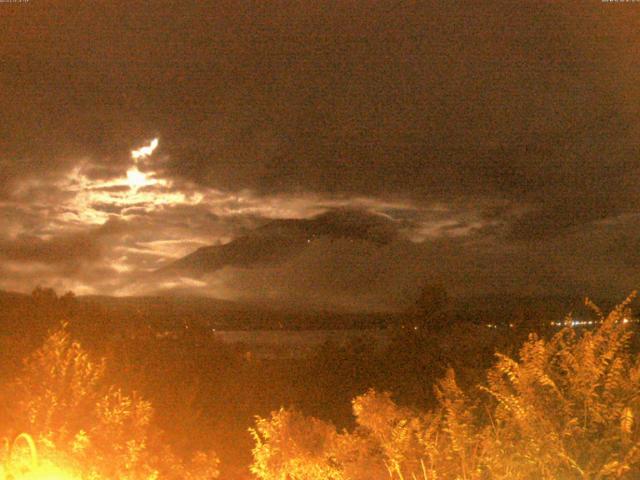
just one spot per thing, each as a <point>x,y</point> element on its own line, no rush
<point>169,311</point>
<point>11,296</point>
<point>221,314</point>
<point>279,240</point>
<point>504,308</point>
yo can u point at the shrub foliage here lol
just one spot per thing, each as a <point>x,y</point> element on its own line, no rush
<point>564,408</point>
<point>78,420</point>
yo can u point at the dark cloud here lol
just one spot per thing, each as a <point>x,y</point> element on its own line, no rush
<point>509,126</point>
<point>69,248</point>
<point>58,250</point>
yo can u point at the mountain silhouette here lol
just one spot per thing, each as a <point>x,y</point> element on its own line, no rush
<point>281,239</point>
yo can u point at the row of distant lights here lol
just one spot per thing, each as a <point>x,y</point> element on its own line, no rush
<point>571,323</point>
<point>493,325</point>
<point>582,323</point>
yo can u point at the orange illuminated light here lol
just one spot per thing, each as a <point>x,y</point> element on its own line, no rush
<point>34,469</point>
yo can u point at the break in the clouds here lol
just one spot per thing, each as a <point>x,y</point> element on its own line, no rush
<point>500,139</point>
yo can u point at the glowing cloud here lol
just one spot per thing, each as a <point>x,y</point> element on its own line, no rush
<point>155,219</point>
<point>145,151</point>
<point>137,179</point>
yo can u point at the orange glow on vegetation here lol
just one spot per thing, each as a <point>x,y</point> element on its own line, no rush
<point>23,463</point>
<point>45,473</point>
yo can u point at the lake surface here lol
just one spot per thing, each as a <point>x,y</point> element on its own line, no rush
<point>268,343</point>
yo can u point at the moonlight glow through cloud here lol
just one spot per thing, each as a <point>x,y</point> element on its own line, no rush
<point>131,219</point>
<point>529,140</point>
<point>145,151</point>
<point>137,179</point>
<point>94,201</point>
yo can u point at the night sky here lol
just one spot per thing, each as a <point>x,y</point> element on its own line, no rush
<point>500,140</point>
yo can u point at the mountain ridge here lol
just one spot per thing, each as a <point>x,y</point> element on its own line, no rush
<point>281,239</point>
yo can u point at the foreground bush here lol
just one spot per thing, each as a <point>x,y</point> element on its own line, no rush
<point>83,424</point>
<point>565,409</point>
